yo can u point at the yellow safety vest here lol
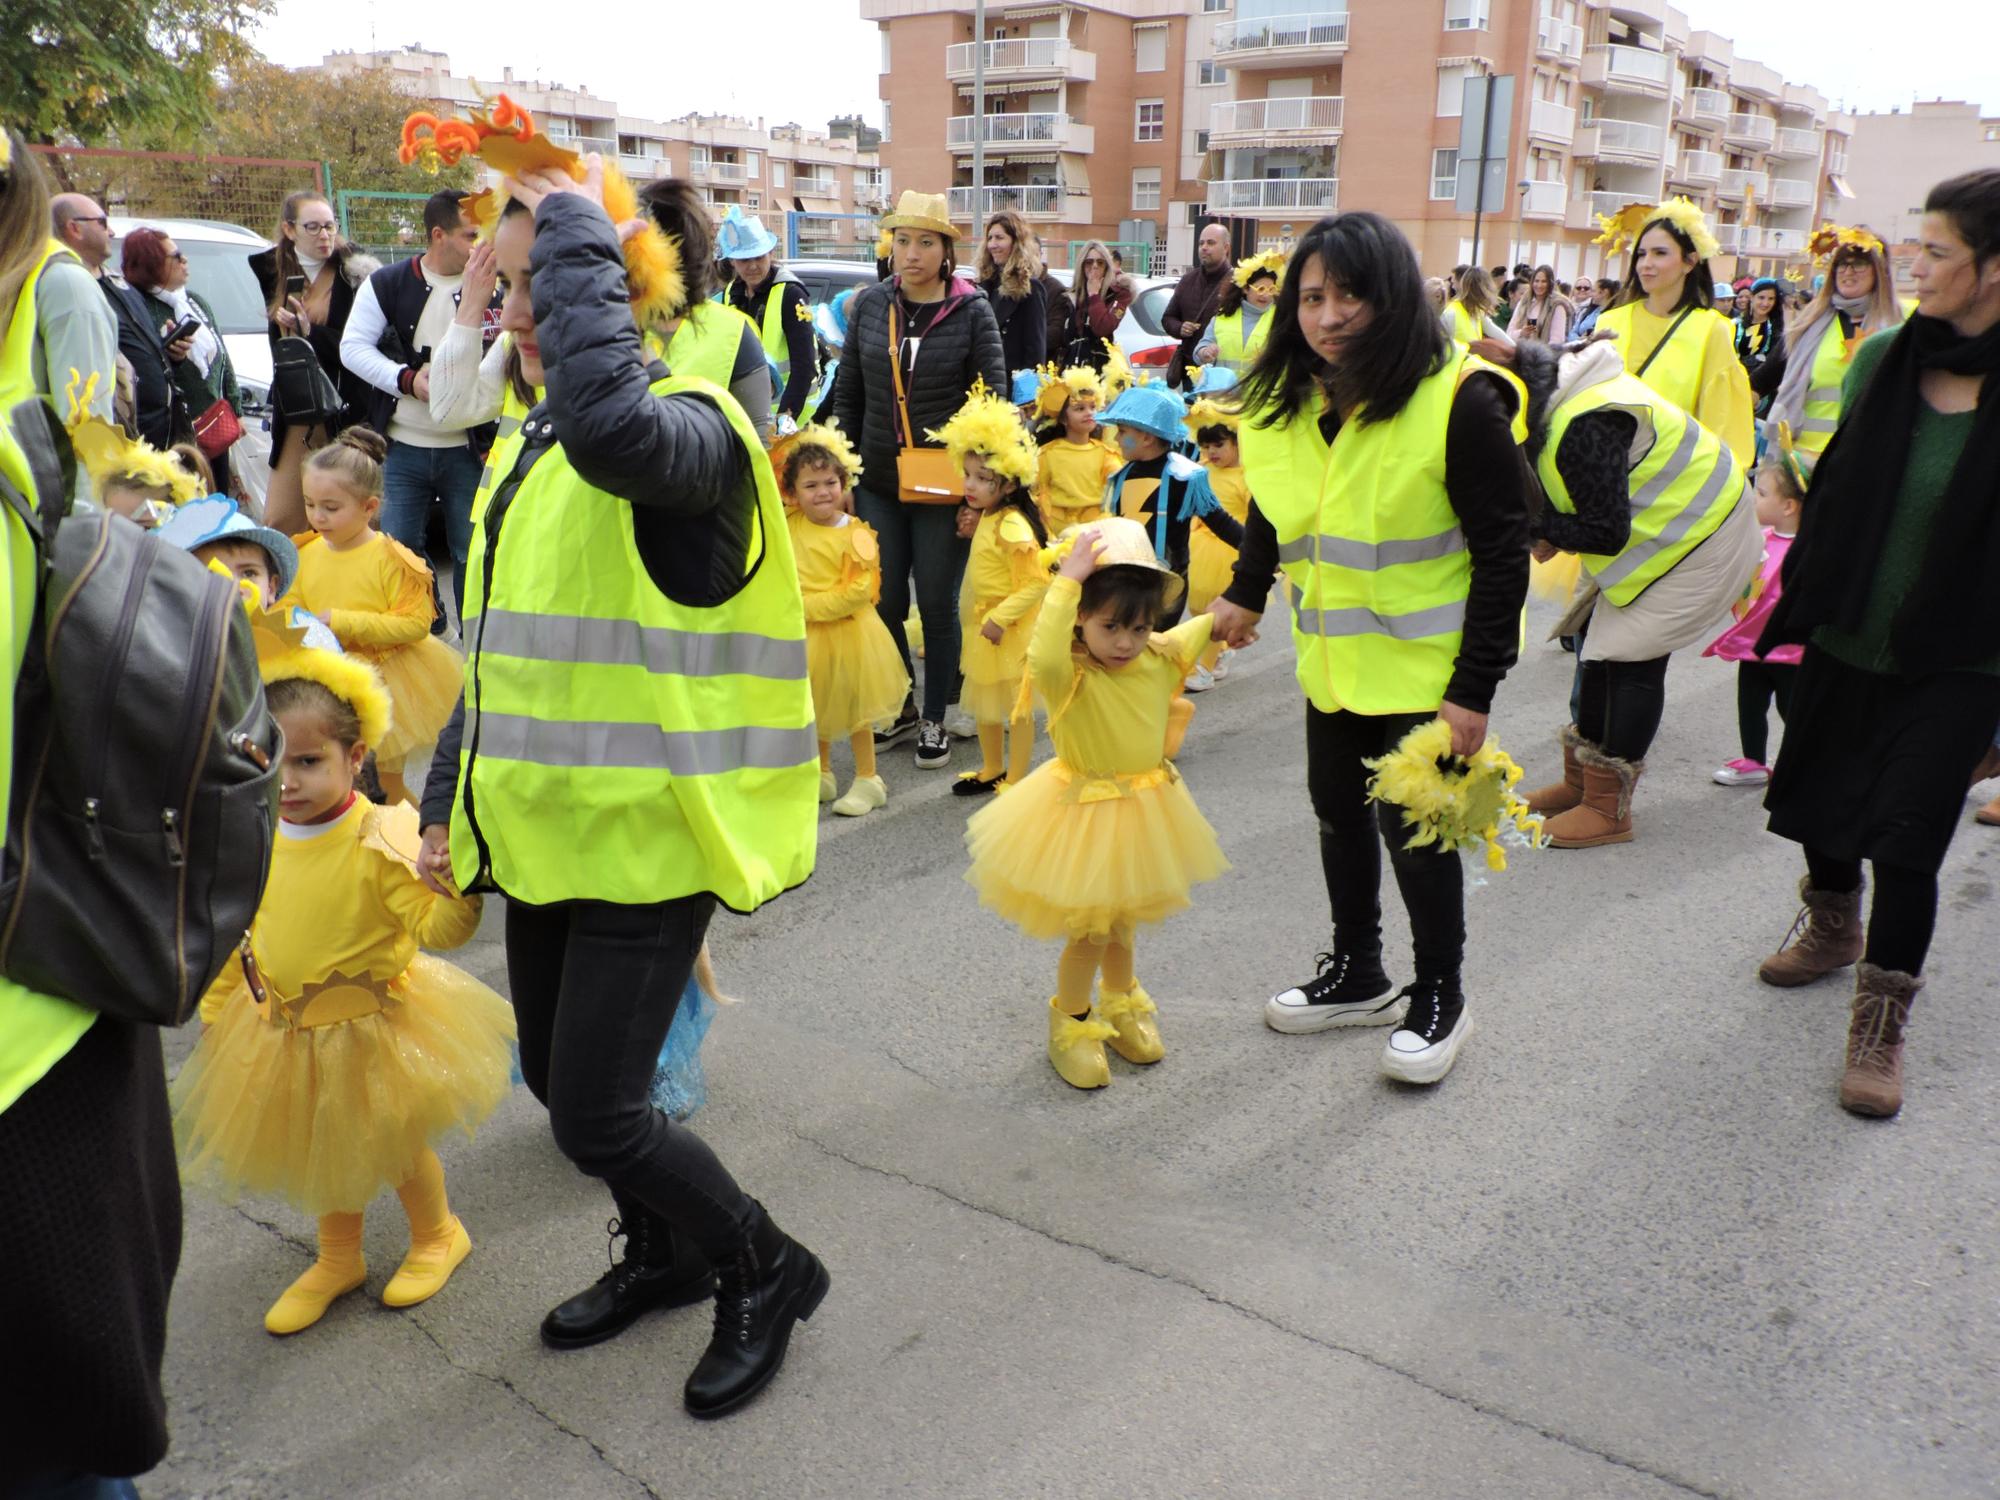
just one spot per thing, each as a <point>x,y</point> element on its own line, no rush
<point>1682,486</point>
<point>705,344</point>
<point>506,448</point>
<point>1676,372</point>
<point>1378,567</point>
<point>1464,326</point>
<point>773,331</point>
<point>621,746</point>
<point>1822,408</point>
<point>1231,351</point>
<point>36,1030</point>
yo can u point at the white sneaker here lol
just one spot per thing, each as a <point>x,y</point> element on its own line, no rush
<point>1347,991</point>
<point>863,797</point>
<point>1221,668</point>
<point>1200,680</point>
<point>1418,1052</point>
<point>961,724</point>
<point>1742,773</point>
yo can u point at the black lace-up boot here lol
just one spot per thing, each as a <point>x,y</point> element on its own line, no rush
<point>660,1269</point>
<point>769,1284</point>
<point>1349,990</point>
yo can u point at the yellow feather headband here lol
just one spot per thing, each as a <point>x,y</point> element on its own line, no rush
<point>885,244</point>
<point>1270,260</point>
<point>991,427</point>
<point>108,455</point>
<point>349,678</point>
<point>1208,412</point>
<point>1831,238</point>
<point>822,435</point>
<point>1624,227</point>
<point>1059,389</point>
<point>1119,376</point>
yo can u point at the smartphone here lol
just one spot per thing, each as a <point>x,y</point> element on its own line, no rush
<point>295,284</point>
<point>183,330</point>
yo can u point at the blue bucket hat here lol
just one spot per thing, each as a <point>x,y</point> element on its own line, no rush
<point>743,236</point>
<point>1027,386</point>
<point>1149,408</point>
<point>217,519</point>
<point>1214,379</point>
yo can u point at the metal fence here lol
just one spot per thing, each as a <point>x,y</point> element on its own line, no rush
<point>1138,255</point>
<point>810,236</point>
<point>245,190</point>
<point>389,226</point>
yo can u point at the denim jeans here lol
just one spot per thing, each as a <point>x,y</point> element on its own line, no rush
<point>595,986</point>
<point>923,539</point>
<point>414,477</point>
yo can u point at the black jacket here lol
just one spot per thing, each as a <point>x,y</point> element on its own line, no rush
<point>154,397</point>
<point>801,348</point>
<point>962,345</point>
<point>1024,324</point>
<point>351,268</point>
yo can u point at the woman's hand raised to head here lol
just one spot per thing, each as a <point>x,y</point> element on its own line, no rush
<point>482,275</point>
<point>550,182</point>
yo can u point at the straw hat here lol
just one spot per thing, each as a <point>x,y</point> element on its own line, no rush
<point>922,211</point>
<point>1125,543</point>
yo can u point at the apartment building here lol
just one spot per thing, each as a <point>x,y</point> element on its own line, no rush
<point>1137,119</point>
<point>831,182</point>
<point>1896,156</point>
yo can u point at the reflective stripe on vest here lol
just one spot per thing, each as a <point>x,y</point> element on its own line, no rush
<point>619,745</point>
<point>1682,487</point>
<point>1371,546</point>
<point>1821,413</point>
<point>1231,352</point>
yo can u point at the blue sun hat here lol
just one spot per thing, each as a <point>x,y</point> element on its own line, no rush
<point>742,236</point>
<point>1027,387</point>
<point>1149,408</point>
<point>830,321</point>
<point>1214,380</point>
<point>216,519</point>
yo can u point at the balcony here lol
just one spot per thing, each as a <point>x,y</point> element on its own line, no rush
<point>816,187</point>
<point>1628,70</point>
<point>1739,182</point>
<point>1796,145</point>
<point>1262,195</point>
<point>1836,161</point>
<point>1751,132</point>
<point>642,168</point>
<point>1790,192</point>
<point>718,173</point>
<point>1585,209</point>
<point>1623,140</point>
<point>1647,13</point>
<point>569,140</point>
<point>1804,99</point>
<point>1281,41</point>
<point>1247,122</point>
<point>1697,168</point>
<point>1550,121</point>
<point>1787,241</point>
<point>1029,132</point>
<point>1545,200</point>
<point>1706,109</point>
<point>1043,201</point>
<point>1759,79</point>
<point>1709,51</point>
<point>1559,42</point>
<point>1020,58</point>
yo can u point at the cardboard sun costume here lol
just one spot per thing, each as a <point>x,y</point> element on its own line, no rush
<point>1622,229</point>
<point>108,456</point>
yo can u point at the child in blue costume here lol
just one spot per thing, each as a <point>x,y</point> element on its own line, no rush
<point>1160,487</point>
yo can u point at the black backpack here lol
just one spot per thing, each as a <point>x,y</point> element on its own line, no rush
<point>300,389</point>
<point>144,785</point>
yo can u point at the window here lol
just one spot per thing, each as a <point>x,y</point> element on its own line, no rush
<point>1206,73</point>
<point>1145,188</point>
<point>1451,89</point>
<point>1444,173</point>
<point>1149,47</point>
<point>885,119</point>
<point>1465,15</point>
<point>1150,120</point>
<point>1209,7</point>
<point>885,51</point>
<point>1200,142</point>
<point>777,175</point>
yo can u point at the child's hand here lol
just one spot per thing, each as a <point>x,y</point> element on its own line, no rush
<point>968,521</point>
<point>992,632</point>
<point>434,861</point>
<point>1082,559</point>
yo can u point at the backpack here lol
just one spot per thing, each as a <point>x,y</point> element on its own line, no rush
<point>300,389</point>
<point>145,785</point>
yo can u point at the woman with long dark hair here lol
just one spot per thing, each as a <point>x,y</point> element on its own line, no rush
<point>1760,339</point>
<point>1890,587</point>
<point>1382,455</point>
<point>1009,273</point>
<point>1542,314</point>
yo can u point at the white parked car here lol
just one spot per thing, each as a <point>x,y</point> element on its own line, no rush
<point>1139,334</point>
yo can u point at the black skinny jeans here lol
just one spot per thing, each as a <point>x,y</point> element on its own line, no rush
<point>1619,705</point>
<point>1903,916</point>
<point>1351,833</point>
<point>595,988</point>
<point>1757,683</point>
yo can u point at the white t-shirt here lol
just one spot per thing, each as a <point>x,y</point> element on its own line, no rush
<point>412,422</point>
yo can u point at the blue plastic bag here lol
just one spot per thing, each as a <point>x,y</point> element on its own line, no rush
<point>678,1085</point>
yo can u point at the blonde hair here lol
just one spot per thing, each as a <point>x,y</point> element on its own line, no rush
<point>24,223</point>
<point>1475,292</point>
<point>1884,311</point>
<point>1023,264</point>
<point>354,459</point>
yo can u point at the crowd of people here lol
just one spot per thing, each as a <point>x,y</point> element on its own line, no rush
<point>688,515</point>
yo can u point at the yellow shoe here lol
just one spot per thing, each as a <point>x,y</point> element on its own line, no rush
<point>863,797</point>
<point>1131,1015</point>
<point>1076,1048</point>
<point>306,1300</point>
<point>427,1268</point>
<point>828,787</point>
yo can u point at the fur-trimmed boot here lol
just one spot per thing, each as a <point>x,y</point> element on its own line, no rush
<point>1873,1082</point>
<point>1828,933</point>
<point>1561,796</point>
<point>1604,816</point>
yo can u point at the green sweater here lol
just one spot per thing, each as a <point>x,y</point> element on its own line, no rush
<point>1935,445</point>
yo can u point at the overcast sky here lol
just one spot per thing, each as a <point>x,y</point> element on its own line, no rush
<point>808,60</point>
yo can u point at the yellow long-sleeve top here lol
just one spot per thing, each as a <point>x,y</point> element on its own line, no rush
<point>1106,723</point>
<point>1719,398</point>
<point>840,567</point>
<point>1004,577</point>
<point>1232,489</point>
<point>1070,485</point>
<point>344,898</point>
<point>376,596</point>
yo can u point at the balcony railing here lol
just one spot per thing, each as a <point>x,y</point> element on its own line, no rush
<point>1023,57</point>
<point>1706,108</point>
<point>1307,31</point>
<point>1274,116</point>
<point>1042,129</point>
<point>569,140</point>
<point>1703,168</point>
<point>1787,241</point>
<point>1559,40</point>
<point>1629,138</point>
<point>1737,181</point>
<point>1796,145</point>
<point>1545,200</point>
<point>1274,194</point>
<point>816,187</point>
<point>1754,131</point>
<point>1615,66</point>
<point>1551,120</point>
<point>1790,192</point>
<point>1586,208</point>
<point>1036,201</point>
<point>721,173</point>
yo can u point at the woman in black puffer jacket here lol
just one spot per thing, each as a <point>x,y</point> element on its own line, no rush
<point>945,338</point>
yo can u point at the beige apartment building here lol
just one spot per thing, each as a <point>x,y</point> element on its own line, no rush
<point>1138,119</point>
<point>834,180</point>
<point>1898,155</point>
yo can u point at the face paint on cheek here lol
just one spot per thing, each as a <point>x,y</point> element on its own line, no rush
<point>1128,445</point>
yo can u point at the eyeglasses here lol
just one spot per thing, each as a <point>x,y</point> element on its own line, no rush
<point>319,226</point>
<point>179,255</point>
<point>93,219</point>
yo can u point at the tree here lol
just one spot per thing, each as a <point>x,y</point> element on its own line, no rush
<point>129,72</point>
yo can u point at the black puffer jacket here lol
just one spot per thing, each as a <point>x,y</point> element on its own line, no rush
<point>961,345</point>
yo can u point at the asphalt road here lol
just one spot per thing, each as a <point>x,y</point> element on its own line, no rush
<point>1631,1247</point>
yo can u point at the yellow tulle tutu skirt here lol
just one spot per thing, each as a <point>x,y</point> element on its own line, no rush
<point>858,681</point>
<point>993,671</point>
<point>424,680</point>
<point>1211,563</point>
<point>1064,855</point>
<point>330,1116</point>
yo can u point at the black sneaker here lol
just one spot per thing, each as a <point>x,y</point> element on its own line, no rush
<point>902,729</point>
<point>972,784</point>
<point>933,745</point>
<point>1424,1047</point>
<point>1347,991</point>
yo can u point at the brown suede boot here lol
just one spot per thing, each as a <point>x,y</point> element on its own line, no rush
<point>1873,1082</point>
<point>1604,816</point>
<point>1561,796</point>
<point>1828,929</point>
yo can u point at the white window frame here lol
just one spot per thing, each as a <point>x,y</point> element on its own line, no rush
<point>1146,186</point>
<point>1208,73</point>
<point>1144,37</point>
<point>777,175</point>
<point>1471,15</point>
<point>1140,125</point>
<point>1438,176</point>
<point>1458,72</point>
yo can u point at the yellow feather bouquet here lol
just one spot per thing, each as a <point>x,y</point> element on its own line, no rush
<point>1454,803</point>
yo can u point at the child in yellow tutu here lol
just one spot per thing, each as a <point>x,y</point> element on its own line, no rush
<point>1211,560</point>
<point>1076,458</point>
<point>376,595</point>
<point>1104,839</point>
<point>1003,585</point>
<point>857,676</point>
<point>336,1053</point>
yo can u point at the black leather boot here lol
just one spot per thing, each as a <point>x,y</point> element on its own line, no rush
<point>660,1269</point>
<point>770,1283</point>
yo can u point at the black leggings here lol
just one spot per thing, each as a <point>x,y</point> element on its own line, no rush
<point>1619,705</point>
<point>595,987</point>
<point>1351,831</point>
<point>1904,913</point>
<point>1757,684</point>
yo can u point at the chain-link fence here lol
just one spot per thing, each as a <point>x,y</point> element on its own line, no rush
<point>389,226</point>
<point>1139,255</point>
<point>245,190</point>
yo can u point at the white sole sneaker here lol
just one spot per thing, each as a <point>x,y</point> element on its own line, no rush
<point>1294,1015</point>
<point>1419,1062</point>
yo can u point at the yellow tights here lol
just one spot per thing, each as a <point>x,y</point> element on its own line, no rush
<point>1083,958</point>
<point>1020,737</point>
<point>863,741</point>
